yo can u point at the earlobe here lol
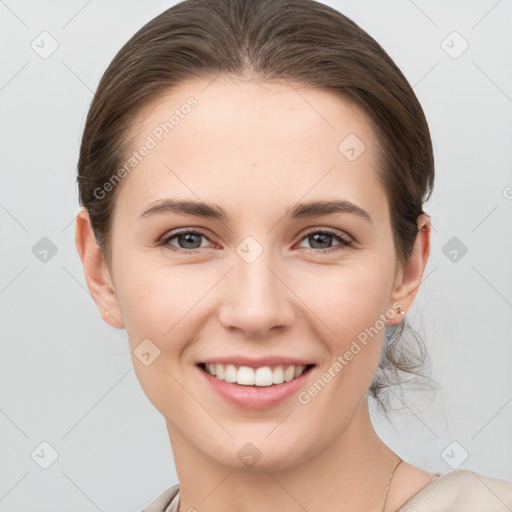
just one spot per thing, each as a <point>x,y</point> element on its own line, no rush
<point>96,271</point>
<point>412,274</point>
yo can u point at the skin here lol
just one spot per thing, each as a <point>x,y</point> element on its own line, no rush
<point>256,149</point>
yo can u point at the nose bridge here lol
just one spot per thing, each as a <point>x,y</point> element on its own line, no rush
<point>256,299</point>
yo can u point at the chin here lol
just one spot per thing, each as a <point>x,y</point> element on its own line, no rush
<point>259,452</point>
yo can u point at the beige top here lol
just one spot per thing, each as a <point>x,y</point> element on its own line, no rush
<point>461,490</point>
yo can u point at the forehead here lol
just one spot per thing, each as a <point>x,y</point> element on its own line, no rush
<point>253,144</point>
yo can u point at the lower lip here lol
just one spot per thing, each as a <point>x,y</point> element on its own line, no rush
<point>256,397</point>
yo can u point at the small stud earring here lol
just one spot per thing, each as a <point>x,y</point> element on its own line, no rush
<point>400,311</point>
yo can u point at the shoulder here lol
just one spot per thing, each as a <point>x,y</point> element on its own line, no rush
<point>163,501</point>
<point>462,490</point>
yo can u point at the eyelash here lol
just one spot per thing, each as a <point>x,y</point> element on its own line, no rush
<point>344,242</point>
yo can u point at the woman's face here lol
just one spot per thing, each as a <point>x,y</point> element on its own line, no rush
<point>270,283</point>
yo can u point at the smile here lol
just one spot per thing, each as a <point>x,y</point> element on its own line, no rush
<point>247,376</point>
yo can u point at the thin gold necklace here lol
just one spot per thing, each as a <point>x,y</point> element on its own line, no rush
<point>386,491</point>
<point>389,483</point>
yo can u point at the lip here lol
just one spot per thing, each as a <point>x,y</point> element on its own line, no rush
<point>258,362</point>
<point>255,397</point>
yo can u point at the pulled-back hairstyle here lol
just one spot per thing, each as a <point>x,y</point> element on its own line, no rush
<point>297,41</point>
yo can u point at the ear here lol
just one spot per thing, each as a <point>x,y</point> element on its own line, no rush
<point>96,271</point>
<point>409,278</point>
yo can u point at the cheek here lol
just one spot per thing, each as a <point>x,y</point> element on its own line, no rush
<point>156,299</point>
<point>352,303</point>
<point>160,304</point>
<point>347,298</point>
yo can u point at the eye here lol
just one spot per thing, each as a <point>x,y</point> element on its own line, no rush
<point>321,241</point>
<point>187,241</point>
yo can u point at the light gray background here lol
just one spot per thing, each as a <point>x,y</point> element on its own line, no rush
<point>66,376</point>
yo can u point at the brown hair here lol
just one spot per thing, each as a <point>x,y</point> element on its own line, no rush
<point>302,41</point>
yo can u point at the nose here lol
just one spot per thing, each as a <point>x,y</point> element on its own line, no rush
<point>256,298</point>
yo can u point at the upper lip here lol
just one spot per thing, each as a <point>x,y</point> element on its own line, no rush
<point>258,362</point>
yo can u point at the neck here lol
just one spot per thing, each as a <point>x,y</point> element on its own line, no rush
<point>350,474</point>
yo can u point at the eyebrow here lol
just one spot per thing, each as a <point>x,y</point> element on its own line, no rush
<point>214,211</point>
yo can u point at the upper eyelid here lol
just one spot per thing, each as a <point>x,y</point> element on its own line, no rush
<point>172,234</point>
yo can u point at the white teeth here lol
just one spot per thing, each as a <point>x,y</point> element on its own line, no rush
<point>278,375</point>
<point>263,376</point>
<point>230,374</point>
<point>289,373</point>
<point>247,376</point>
<point>219,371</point>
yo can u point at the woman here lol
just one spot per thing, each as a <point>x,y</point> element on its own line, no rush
<point>253,175</point>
